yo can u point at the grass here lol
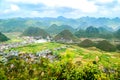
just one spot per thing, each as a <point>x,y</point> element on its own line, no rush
<point>14,37</point>
<point>74,52</point>
<point>33,48</point>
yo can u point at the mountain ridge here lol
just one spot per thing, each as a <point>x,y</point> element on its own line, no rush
<point>19,24</point>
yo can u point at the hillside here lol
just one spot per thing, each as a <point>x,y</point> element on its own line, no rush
<point>3,37</point>
<point>55,29</point>
<point>65,36</point>
<point>117,34</point>
<point>72,62</point>
<point>93,32</point>
<point>35,32</point>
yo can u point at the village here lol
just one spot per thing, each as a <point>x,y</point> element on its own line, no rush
<point>32,58</point>
<point>26,40</point>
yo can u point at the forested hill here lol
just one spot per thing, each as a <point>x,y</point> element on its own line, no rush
<point>55,29</point>
<point>65,36</point>
<point>19,24</point>
<point>35,32</point>
<point>3,37</point>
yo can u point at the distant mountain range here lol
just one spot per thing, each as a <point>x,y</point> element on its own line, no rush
<point>20,24</point>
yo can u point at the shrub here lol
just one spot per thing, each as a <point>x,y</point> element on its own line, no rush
<point>2,75</point>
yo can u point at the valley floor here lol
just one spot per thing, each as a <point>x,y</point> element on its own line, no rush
<point>57,61</point>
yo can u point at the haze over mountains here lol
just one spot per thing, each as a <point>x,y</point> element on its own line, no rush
<point>19,24</point>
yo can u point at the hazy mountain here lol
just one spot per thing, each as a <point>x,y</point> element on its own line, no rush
<point>35,32</point>
<point>117,34</point>
<point>93,32</point>
<point>55,29</point>
<point>65,36</point>
<point>117,28</point>
<point>98,22</point>
<point>104,30</point>
<point>83,26</point>
<point>3,37</point>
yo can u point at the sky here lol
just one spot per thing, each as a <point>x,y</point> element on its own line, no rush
<point>55,8</point>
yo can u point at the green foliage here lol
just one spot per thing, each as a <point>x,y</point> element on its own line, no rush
<point>87,43</point>
<point>65,36</point>
<point>3,37</point>
<point>54,29</point>
<point>80,33</point>
<point>35,32</point>
<point>33,48</point>
<point>105,46</point>
<point>92,32</point>
<point>2,74</point>
<point>117,34</point>
<point>65,67</point>
<point>118,46</point>
<point>59,70</point>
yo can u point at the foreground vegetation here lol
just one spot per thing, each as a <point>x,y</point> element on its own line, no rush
<point>58,70</point>
<point>71,63</point>
<point>103,45</point>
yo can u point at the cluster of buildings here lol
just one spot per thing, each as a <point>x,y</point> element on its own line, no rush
<point>27,40</point>
<point>30,57</point>
<point>5,46</point>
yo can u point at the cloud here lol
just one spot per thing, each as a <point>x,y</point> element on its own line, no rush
<point>83,5</point>
<point>33,7</point>
<point>11,8</point>
<point>104,1</point>
<point>54,8</point>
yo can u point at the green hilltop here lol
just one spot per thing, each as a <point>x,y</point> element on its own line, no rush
<point>3,37</point>
<point>55,29</point>
<point>65,36</point>
<point>35,32</point>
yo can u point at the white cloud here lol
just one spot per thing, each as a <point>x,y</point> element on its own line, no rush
<point>116,9</point>
<point>103,1</point>
<point>80,8</point>
<point>14,7</point>
<point>11,8</point>
<point>51,13</point>
<point>83,5</point>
